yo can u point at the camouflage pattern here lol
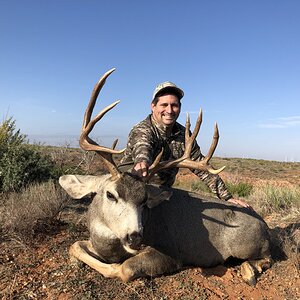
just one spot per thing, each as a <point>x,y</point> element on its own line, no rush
<point>145,142</point>
<point>167,85</point>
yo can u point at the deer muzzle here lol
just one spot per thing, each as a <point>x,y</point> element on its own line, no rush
<point>133,240</point>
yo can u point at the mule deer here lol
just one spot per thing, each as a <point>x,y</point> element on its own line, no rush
<point>138,229</point>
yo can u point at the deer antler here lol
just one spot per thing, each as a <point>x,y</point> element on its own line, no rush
<point>86,143</point>
<point>105,153</point>
<point>185,161</point>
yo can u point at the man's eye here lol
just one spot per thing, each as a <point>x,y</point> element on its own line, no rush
<point>111,197</point>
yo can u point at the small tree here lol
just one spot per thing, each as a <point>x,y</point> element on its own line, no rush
<point>20,163</point>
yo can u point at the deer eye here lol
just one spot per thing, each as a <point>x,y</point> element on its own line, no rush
<point>110,196</point>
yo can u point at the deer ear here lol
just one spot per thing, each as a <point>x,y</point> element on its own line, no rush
<point>78,186</point>
<point>157,195</point>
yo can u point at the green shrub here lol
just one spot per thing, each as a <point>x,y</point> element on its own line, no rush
<point>199,186</point>
<point>20,163</point>
<point>241,189</point>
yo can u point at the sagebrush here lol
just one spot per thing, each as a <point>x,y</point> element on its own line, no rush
<point>21,163</point>
<point>35,207</point>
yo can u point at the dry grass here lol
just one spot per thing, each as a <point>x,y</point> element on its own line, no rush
<point>268,199</point>
<point>253,170</point>
<point>286,244</point>
<point>33,209</point>
<point>291,248</point>
<point>74,160</point>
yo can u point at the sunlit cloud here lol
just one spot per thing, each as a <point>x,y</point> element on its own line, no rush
<point>283,122</point>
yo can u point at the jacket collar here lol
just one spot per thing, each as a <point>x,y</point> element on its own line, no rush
<point>164,130</point>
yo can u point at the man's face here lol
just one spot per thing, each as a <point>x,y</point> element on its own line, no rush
<point>166,110</point>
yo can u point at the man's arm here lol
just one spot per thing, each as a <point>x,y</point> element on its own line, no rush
<point>215,183</point>
<point>139,150</point>
<point>217,186</point>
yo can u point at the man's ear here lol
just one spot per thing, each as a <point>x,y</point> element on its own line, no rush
<point>157,195</point>
<point>152,106</point>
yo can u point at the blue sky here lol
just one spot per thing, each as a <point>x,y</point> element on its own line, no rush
<point>238,60</point>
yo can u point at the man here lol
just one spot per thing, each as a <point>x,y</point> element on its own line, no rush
<point>160,130</point>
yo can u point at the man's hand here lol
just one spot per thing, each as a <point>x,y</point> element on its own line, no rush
<point>140,169</point>
<point>240,202</point>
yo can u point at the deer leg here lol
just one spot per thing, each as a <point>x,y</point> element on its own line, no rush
<point>250,269</point>
<point>83,251</point>
<point>248,273</point>
<point>148,263</point>
<point>262,264</point>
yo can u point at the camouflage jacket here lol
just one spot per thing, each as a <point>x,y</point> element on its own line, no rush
<point>146,140</point>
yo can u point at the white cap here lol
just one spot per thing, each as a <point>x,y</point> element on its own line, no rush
<point>167,85</point>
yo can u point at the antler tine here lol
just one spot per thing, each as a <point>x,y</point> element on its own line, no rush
<point>185,161</point>
<point>214,144</point>
<point>155,166</point>
<point>114,145</point>
<point>86,142</point>
<point>189,140</point>
<point>94,96</point>
<point>203,164</point>
<point>187,127</point>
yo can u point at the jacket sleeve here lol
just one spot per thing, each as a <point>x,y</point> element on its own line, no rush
<point>140,145</point>
<point>214,182</point>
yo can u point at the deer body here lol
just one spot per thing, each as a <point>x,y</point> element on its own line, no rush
<point>182,229</point>
<point>204,232</point>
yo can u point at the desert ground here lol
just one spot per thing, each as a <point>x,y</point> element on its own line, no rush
<point>38,267</point>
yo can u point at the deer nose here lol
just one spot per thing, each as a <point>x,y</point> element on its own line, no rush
<point>134,240</point>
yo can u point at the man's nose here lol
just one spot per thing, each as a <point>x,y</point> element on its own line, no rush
<point>169,109</point>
